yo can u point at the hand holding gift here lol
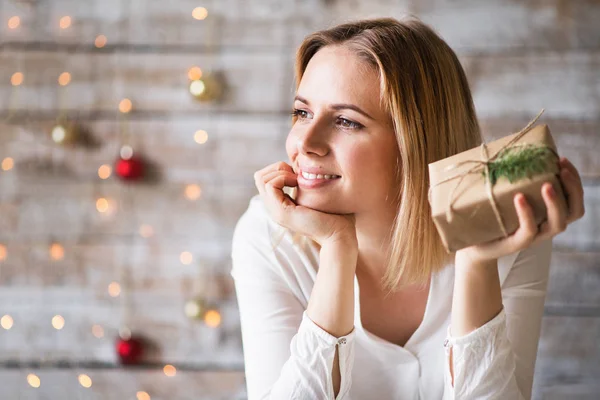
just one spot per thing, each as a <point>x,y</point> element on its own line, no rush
<point>505,195</point>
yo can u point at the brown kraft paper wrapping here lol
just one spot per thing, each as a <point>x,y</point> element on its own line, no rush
<point>473,218</point>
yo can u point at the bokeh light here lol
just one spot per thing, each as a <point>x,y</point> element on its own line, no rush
<point>58,322</point>
<point>8,163</point>
<point>6,322</point>
<point>201,137</point>
<point>65,22</point>
<point>100,41</point>
<point>16,79</point>
<point>200,13</point>
<point>186,258</point>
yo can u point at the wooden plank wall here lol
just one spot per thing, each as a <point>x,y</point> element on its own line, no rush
<point>519,57</point>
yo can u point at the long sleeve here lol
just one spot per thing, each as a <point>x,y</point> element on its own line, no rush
<point>497,360</point>
<point>286,355</point>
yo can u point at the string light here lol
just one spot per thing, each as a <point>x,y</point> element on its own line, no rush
<point>125,106</point>
<point>33,380</point>
<point>57,251</point>
<point>169,370</point>
<point>104,171</point>
<point>200,137</point>
<point>59,133</point>
<point>212,318</point>
<point>114,289</point>
<point>125,333</point>
<point>65,22</point>
<point>186,258</point>
<point>200,13</point>
<point>102,205</point>
<point>85,380</point>
<point>64,79</point>
<point>126,152</point>
<point>193,309</point>
<point>193,192</point>
<point>6,322</point>
<point>146,231</point>
<point>194,73</point>
<point>197,87</point>
<point>58,322</point>
<point>97,331</point>
<point>16,79</point>
<point>100,41</point>
<point>14,22</point>
<point>8,163</point>
<point>142,396</point>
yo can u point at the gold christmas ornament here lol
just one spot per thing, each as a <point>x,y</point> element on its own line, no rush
<point>64,133</point>
<point>195,308</point>
<point>207,88</point>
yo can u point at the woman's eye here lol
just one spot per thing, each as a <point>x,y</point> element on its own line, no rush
<point>343,122</point>
<point>346,123</point>
<point>299,113</point>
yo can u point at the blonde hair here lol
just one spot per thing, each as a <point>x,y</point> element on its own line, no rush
<point>425,91</point>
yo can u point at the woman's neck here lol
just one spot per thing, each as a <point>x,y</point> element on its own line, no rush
<point>373,232</point>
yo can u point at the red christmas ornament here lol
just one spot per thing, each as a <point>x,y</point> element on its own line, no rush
<point>130,350</point>
<point>128,166</point>
<point>131,169</point>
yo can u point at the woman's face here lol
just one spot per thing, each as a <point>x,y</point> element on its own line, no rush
<point>342,130</point>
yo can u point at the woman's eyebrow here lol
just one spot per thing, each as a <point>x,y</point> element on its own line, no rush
<point>338,107</point>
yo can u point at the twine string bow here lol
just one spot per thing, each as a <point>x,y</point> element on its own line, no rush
<point>484,164</point>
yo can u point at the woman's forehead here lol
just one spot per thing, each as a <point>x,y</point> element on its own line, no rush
<point>336,75</point>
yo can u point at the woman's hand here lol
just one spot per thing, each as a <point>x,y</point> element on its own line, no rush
<point>317,225</point>
<point>528,232</point>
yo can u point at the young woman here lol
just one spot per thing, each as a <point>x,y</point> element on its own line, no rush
<point>370,305</point>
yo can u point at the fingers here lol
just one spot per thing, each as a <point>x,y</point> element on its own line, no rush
<point>279,179</point>
<point>278,166</point>
<point>556,221</point>
<point>270,182</point>
<point>564,163</point>
<point>574,190</point>
<point>528,229</point>
<point>261,177</point>
<point>274,184</point>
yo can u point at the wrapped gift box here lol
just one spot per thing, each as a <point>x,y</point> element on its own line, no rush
<point>460,188</point>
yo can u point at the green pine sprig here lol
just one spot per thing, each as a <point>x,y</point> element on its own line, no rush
<point>515,163</point>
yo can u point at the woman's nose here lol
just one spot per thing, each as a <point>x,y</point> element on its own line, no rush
<point>313,140</point>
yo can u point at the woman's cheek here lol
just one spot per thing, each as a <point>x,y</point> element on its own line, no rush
<point>290,146</point>
<point>355,161</point>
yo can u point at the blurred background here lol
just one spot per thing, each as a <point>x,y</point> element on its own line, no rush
<point>129,134</point>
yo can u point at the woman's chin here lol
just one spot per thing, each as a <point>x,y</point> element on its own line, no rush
<point>318,202</point>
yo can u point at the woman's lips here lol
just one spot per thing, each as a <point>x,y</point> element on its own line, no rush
<point>315,183</point>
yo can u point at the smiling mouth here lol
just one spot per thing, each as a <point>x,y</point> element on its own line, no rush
<point>309,176</point>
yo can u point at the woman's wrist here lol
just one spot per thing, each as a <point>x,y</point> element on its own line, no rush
<point>465,262</point>
<point>343,248</point>
<point>340,253</point>
<point>346,241</point>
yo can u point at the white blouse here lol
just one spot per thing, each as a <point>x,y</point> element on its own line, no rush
<point>288,356</point>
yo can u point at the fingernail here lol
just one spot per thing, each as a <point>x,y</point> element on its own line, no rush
<point>551,191</point>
